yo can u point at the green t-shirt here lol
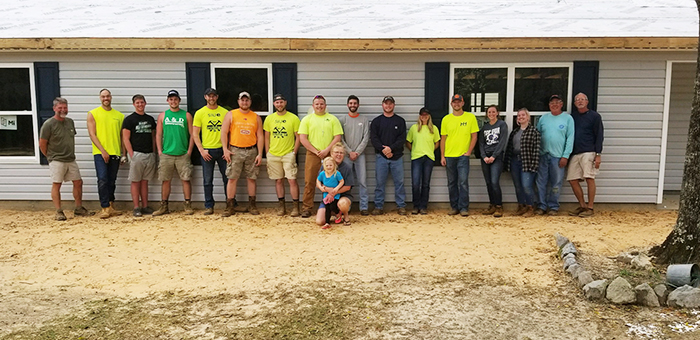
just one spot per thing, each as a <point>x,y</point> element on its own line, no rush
<point>320,129</point>
<point>210,122</point>
<point>458,130</point>
<point>423,142</point>
<point>176,135</point>
<point>61,139</point>
<point>281,129</point>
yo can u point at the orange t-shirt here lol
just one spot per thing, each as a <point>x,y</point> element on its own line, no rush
<point>244,128</point>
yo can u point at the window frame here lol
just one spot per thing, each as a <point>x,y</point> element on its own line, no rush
<point>33,112</point>
<point>267,66</point>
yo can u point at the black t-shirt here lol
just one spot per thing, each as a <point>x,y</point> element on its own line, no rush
<point>142,128</point>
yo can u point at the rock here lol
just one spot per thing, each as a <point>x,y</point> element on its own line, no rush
<point>661,292</point>
<point>569,256</point>
<point>624,258</point>
<point>646,296</point>
<point>685,296</point>
<point>561,240</point>
<point>574,270</point>
<point>620,292</point>
<point>568,248</point>
<point>568,262</point>
<point>584,277</point>
<point>595,290</point>
<point>641,261</point>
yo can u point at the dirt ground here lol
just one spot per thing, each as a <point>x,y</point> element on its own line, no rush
<point>257,277</point>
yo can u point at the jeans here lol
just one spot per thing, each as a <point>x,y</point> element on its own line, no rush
<point>523,182</point>
<point>359,167</point>
<point>492,176</point>
<point>106,178</point>
<point>217,157</point>
<point>458,182</point>
<point>421,170</point>
<point>549,180</point>
<point>383,167</point>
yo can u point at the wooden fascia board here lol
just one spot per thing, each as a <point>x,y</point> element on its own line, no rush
<point>331,45</point>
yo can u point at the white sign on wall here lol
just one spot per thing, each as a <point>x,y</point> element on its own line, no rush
<point>8,122</point>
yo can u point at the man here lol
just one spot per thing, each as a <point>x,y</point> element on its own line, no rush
<point>139,136</point>
<point>174,141</point>
<point>388,135</point>
<point>243,138</point>
<point>355,139</point>
<point>318,132</point>
<point>281,145</point>
<point>57,143</point>
<point>104,127</point>
<point>458,136</point>
<point>585,157</point>
<point>557,132</point>
<point>345,200</point>
<point>210,117</point>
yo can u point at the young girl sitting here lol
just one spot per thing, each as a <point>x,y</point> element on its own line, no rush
<point>330,177</point>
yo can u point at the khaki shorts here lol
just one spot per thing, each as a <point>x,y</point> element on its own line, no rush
<point>64,171</point>
<point>168,164</point>
<point>242,163</point>
<point>142,167</point>
<point>582,166</point>
<point>282,166</point>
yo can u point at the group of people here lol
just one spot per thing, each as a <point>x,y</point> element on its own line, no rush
<point>335,158</point>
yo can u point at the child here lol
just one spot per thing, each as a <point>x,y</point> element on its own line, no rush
<point>330,177</point>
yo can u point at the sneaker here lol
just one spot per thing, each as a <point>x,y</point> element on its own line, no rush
<point>464,213</point>
<point>305,214</point>
<point>188,208</point>
<point>423,211</point>
<point>377,212</point>
<point>577,211</point>
<point>104,213</point>
<point>490,210</point>
<point>364,212</point>
<point>81,211</point>
<point>163,209</point>
<point>553,212</point>
<point>453,212</point>
<point>586,213</point>
<point>402,211</point>
<point>137,212</point>
<point>146,210</point>
<point>209,211</point>
<point>326,226</point>
<point>415,211</point>
<point>539,212</point>
<point>60,216</point>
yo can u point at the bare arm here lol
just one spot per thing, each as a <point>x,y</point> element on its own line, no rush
<point>297,142</point>
<point>472,144</point>
<point>92,131</point>
<point>126,140</point>
<point>44,146</point>
<point>225,126</point>
<point>261,141</point>
<point>304,138</point>
<point>443,161</point>
<point>189,128</point>
<point>159,133</point>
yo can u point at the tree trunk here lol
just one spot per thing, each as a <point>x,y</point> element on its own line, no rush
<point>681,246</point>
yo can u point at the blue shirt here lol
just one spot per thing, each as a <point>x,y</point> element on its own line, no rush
<point>330,182</point>
<point>589,132</point>
<point>557,133</point>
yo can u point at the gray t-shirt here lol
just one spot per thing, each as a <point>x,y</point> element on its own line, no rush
<point>516,141</point>
<point>355,133</point>
<point>61,139</point>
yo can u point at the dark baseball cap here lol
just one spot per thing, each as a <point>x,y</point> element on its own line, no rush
<point>279,96</point>
<point>423,110</point>
<point>172,93</point>
<point>457,97</point>
<point>389,98</point>
<point>211,90</point>
<point>554,96</point>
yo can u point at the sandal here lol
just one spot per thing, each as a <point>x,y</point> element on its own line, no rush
<point>339,219</point>
<point>346,222</point>
<point>326,226</point>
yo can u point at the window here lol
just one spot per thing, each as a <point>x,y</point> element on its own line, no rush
<point>232,79</point>
<point>18,130</point>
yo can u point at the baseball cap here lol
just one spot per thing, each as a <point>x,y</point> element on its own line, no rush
<point>457,97</point>
<point>209,91</point>
<point>423,110</point>
<point>279,96</point>
<point>554,96</point>
<point>173,93</point>
<point>243,94</point>
<point>390,98</point>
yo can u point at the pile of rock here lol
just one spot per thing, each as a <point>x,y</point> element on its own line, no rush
<point>619,290</point>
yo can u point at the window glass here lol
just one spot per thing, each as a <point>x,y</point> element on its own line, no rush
<point>232,81</point>
<point>15,89</point>
<point>534,86</point>
<point>481,87</point>
<point>19,141</point>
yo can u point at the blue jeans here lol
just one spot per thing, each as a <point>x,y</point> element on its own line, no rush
<point>383,167</point>
<point>549,180</point>
<point>359,167</point>
<point>458,181</point>
<point>492,176</point>
<point>421,170</point>
<point>523,182</point>
<point>106,178</point>
<point>217,157</point>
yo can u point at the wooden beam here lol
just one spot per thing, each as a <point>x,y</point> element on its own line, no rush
<point>377,45</point>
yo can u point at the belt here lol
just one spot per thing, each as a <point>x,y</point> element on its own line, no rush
<point>245,148</point>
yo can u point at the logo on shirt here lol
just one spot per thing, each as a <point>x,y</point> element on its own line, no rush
<point>214,126</point>
<point>174,121</point>
<point>463,124</point>
<point>279,132</point>
<point>143,127</point>
<point>561,127</point>
<point>492,135</point>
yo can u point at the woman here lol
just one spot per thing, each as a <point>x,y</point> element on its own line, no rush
<point>522,157</point>
<point>492,145</point>
<point>422,139</point>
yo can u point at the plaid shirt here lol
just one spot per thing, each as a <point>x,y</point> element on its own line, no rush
<point>529,148</point>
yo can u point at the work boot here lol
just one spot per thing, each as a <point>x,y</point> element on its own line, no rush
<point>282,209</point>
<point>112,211</point>
<point>529,211</point>
<point>586,213</point>
<point>188,207</point>
<point>60,216</point>
<point>295,209</point>
<point>81,211</point>
<point>499,211</point>
<point>104,213</point>
<point>521,210</point>
<point>209,211</point>
<point>252,209</point>
<point>490,210</point>
<point>305,214</point>
<point>229,209</point>
<point>163,209</point>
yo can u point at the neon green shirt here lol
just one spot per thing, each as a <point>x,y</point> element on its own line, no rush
<point>458,130</point>
<point>281,129</point>
<point>108,128</point>
<point>423,142</point>
<point>320,129</point>
<point>209,121</point>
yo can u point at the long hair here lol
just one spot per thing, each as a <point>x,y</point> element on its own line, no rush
<point>430,121</point>
<point>329,160</point>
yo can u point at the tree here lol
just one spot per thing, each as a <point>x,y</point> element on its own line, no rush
<point>683,243</point>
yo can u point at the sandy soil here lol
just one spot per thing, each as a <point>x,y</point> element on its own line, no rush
<point>86,258</point>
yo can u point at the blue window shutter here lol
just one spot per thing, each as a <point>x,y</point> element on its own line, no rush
<point>586,81</point>
<point>48,87</point>
<point>284,81</point>
<point>198,80</point>
<point>437,93</point>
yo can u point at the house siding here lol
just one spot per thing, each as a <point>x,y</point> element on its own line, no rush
<point>682,91</point>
